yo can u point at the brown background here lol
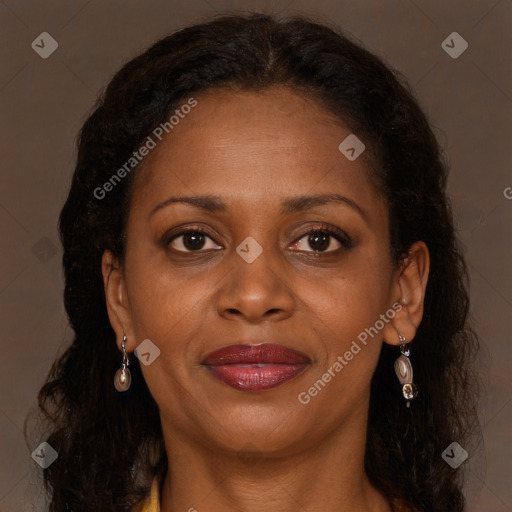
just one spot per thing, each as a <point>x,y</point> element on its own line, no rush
<point>44,102</point>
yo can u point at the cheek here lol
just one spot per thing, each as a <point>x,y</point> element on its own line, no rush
<point>349,300</point>
<point>167,310</point>
<point>162,304</point>
<point>343,314</point>
<point>344,310</point>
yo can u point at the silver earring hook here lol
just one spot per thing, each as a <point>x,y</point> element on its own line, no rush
<point>404,349</point>
<point>126,360</point>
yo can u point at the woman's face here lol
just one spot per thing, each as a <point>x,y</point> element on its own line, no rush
<point>255,276</point>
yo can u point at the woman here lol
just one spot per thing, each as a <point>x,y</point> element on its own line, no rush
<point>258,216</point>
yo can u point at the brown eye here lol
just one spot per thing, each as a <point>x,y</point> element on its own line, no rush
<point>325,239</point>
<point>192,240</point>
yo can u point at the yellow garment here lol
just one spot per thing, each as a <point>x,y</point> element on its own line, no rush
<point>398,506</point>
<point>152,502</point>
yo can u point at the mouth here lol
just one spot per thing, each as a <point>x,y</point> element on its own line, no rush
<point>249,367</point>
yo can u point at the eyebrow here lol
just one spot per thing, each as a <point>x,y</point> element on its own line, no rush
<point>214,204</point>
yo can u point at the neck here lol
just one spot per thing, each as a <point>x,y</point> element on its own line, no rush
<point>327,476</point>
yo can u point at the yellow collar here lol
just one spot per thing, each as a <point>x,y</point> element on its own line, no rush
<point>150,503</point>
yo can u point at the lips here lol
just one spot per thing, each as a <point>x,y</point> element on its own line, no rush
<point>250,367</point>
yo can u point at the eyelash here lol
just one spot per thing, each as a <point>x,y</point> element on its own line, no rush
<point>322,229</point>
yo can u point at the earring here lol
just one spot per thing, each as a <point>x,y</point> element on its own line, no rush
<point>123,377</point>
<point>403,370</point>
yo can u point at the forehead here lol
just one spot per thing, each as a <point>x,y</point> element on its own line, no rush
<point>245,144</point>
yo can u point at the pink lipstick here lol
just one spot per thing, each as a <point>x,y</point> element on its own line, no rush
<point>249,367</point>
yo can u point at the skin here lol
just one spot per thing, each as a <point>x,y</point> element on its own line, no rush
<point>232,450</point>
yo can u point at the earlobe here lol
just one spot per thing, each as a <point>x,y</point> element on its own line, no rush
<point>116,298</point>
<point>409,288</point>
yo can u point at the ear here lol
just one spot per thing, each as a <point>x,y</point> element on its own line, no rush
<point>408,290</point>
<point>117,300</point>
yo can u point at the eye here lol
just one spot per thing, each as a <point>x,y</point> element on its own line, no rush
<point>191,240</point>
<point>323,239</point>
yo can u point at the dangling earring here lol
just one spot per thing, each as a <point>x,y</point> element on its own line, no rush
<point>123,377</point>
<point>403,370</point>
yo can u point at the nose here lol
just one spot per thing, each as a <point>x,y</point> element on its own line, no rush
<point>257,291</point>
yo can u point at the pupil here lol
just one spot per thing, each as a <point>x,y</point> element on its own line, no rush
<point>193,240</point>
<point>319,242</point>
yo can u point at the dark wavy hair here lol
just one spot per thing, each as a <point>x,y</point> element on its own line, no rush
<point>110,444</point>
